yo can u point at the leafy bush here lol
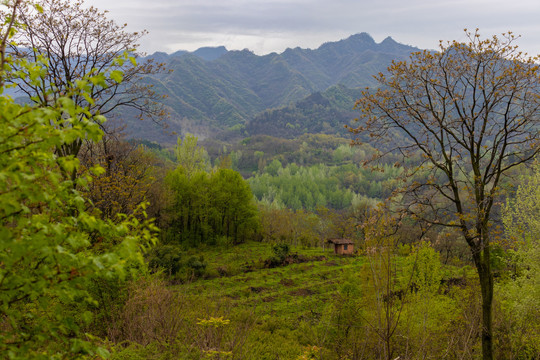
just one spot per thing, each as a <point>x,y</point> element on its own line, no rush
<point>166,257</point>
<point>281,251</point>
<point>196,267</point>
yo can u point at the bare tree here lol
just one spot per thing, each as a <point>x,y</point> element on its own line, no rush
<point>472,110</point>
<point>75,41</point>
<point>8,27</point>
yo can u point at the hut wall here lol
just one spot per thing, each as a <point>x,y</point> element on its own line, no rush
<point>340,249</point>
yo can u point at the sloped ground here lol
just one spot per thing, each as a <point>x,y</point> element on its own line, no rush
<point>284,302</point>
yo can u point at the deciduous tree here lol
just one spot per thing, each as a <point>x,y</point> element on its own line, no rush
<point>473,111</point>
<point>191,156</point>
<point>127,180</point>
<point>385,299</point>
<point>47,247</point>
<point>79,42</point>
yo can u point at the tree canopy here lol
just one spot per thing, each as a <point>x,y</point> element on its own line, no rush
<point>207,204</point>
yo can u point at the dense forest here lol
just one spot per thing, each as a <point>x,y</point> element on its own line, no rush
<point>217,245</point>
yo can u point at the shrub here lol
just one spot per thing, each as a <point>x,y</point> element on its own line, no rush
<point>281,251</point>
<point>167,258</point>
<point>196,267</point>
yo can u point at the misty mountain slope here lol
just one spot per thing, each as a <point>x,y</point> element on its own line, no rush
<point>213,89</point>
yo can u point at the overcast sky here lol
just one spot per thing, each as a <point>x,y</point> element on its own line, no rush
<point>265,26</point>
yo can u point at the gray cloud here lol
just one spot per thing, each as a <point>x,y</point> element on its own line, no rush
<point>266,26</point>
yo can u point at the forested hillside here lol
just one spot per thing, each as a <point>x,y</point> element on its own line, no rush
<point>226,89</point>
<point>319,113</point>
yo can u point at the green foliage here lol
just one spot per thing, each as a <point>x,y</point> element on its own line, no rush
<point>425,267</point>
<point>522,225</point>
<point>174,262</point>
<point>189,156</point>
<point>520,293</point>
<point>273,168</point>
<point>252,154</point>
<point>165,257</point>
<point>335,187</point>
<point>208,206</point>
<point>314,114</point>
<point>280,253</point>
<point>196,266</point>
<point>51,246</point>
<point>343,319</point>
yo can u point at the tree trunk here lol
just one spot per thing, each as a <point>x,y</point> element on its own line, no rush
<point>482,260</point>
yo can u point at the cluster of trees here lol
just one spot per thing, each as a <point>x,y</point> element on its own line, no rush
<point>315,114</point>
<point>252,154</point>
<point>313,228</point>
<point>208,204</point>
<point>300,188</point>
<point>336,187</point>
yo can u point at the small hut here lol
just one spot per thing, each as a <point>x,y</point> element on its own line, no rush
<point>342,246</point>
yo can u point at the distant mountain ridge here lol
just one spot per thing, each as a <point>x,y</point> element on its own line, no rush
<point>208,53</point>
<point>212,89</point>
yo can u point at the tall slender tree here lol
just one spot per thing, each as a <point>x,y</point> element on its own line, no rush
<point>473,111</point>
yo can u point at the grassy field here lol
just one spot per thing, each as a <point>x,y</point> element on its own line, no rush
<point>243,308</point>
<point>285,302</point>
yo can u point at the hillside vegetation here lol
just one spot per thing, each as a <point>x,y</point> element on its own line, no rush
<point>206,95</point>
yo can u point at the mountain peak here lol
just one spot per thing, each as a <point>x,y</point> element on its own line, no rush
<point>354,43</point>
<point>210,53</point>
<point>362,37</point>
<point>390,45</point>
<point>178,53</point>
<point>159,56</point>
<point>389,40</point>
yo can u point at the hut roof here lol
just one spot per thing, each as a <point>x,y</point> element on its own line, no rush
<point>341,241</point>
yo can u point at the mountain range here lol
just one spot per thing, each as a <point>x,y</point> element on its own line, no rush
<point>213,90</point>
